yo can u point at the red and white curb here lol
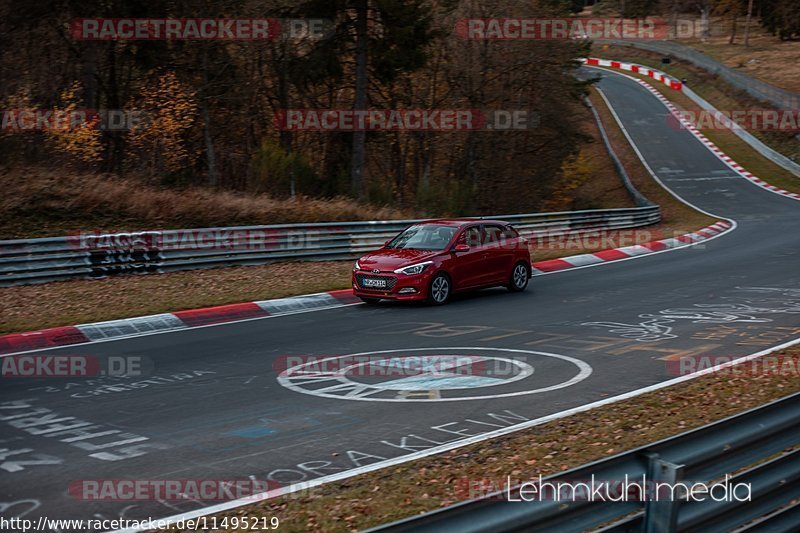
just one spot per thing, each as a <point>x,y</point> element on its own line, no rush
<point>739,169</point>
<point>179,320</point>
<point>670,82</point>
<point>143,325</point>
<point>687,125</point>
<point>616,254</point>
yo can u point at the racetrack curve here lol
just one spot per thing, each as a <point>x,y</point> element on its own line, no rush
<point>213,407</point>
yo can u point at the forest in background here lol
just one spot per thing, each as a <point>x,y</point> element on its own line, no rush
<point>212,104</point>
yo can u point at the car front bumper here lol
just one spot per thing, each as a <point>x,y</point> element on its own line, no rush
<point>399,286</point>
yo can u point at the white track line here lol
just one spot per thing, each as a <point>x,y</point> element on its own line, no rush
<point>455,445</point>
<point>697,134</point>
<point>179,330</point>
<point>510,429</point>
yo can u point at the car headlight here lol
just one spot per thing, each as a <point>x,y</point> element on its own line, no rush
<point>356,266</point>
<point>413,269</point>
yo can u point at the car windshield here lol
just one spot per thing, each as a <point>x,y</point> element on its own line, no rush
<point>424,237</point>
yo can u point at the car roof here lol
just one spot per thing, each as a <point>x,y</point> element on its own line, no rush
<point>458,222</point>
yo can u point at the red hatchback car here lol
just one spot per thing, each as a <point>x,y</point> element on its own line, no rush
<point>432,260</point>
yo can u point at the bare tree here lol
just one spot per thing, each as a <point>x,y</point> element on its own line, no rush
<point>747,23</point>
<point>360,136</point>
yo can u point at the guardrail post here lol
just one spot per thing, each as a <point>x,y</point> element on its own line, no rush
<point>661,516</point>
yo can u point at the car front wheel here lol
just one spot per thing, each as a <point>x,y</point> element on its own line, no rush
<point>440,289</point>
<point>519,278</point>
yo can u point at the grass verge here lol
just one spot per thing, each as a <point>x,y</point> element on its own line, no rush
<point>767,58</point>
<point>38,202</point>
<point>29,307</point>
<point>427,484</point>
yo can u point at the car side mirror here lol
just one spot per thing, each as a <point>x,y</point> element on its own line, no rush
<point>462,248</point>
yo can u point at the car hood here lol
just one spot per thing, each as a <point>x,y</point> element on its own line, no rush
<point>390,259</point>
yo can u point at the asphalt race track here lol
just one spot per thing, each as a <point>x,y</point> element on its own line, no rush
<point>212,407</point>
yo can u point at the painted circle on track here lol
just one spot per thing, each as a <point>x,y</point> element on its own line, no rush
<point>427,374</point>
<point>438,372</point>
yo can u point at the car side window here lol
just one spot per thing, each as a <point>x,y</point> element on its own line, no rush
<point>471,237</point>
<point>509,233</point>
<point>491,234</point>
<point>441,237</point>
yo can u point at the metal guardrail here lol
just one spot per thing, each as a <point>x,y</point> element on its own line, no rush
<point>761,90</point>
<point>763,437</point>
<point>41,260</point>
<point>638,198</point>
<point>773,155</point>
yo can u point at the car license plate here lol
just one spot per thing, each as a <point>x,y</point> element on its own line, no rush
<point>377,283</point>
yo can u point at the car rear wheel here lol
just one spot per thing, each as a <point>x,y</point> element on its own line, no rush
<point>519,278</point>
<point>370,301</point>
<point>440,289</point>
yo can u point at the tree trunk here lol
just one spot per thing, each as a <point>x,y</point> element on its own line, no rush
<point>747,23</point>
<point>705,12</point>
<point>285,136</point>
<point>211,158</point>
<point>117,155</point>
<point>733,29</point>
<point>399,162</point>
<point>673,19</point>
<point>359,137</point>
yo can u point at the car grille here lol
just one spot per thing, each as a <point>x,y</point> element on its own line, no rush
<point>390,282</point>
